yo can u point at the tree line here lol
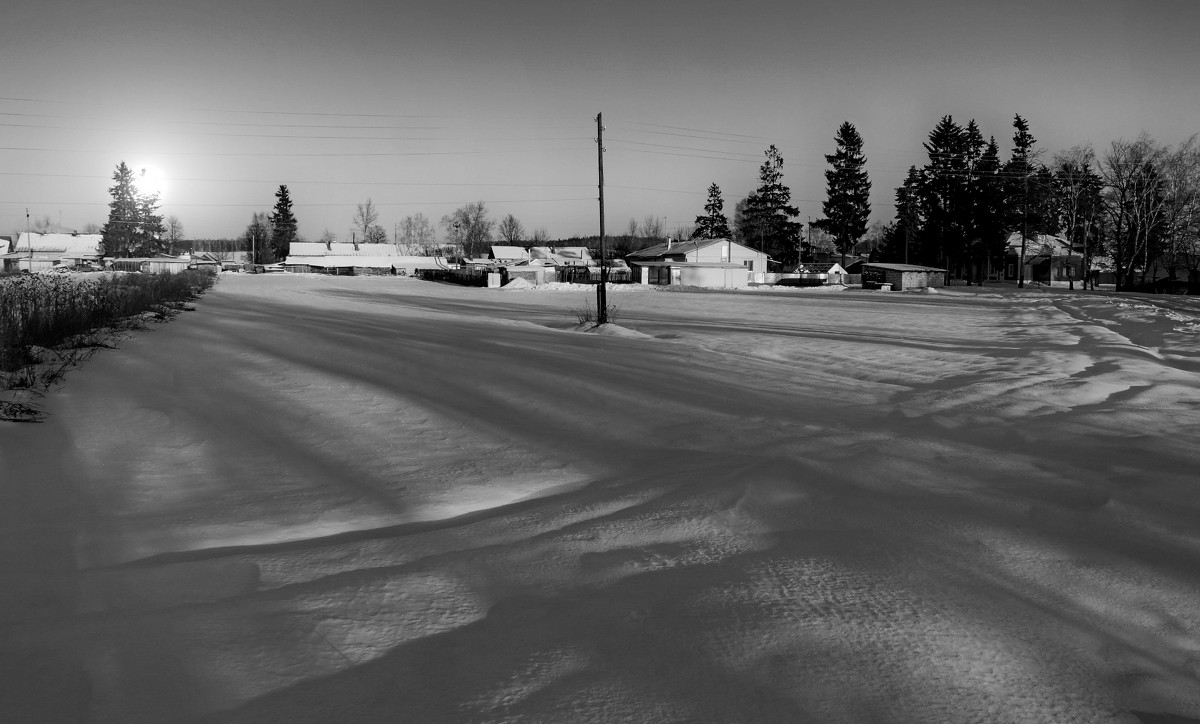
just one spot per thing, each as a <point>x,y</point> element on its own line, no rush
<point>1134,209</point>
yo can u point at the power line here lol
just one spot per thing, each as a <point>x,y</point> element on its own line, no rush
<point>689,155</point>
<point>696,130</point>
<point>319,114</point>
<point>682,148</point>
<point>313,182</point>
<point>215,134</point>
<point>310,205</point>
<point>293,155</point>
<point>689,135</point>
<point>668,191</point>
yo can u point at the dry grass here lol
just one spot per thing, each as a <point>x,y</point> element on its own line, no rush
<point>51,322</point>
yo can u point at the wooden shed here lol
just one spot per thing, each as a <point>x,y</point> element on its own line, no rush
<point>902,276</point>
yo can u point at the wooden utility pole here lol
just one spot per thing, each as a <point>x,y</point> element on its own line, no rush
<point>602,290</point>
<point>1024,226</point>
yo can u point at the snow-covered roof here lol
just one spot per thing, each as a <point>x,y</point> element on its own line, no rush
<point>904,267</point>
<point>562,256</point>
<point>681,247</point>
<point>1044,244</point>
<point>316,248</point>
<point>375,262</point>
<point>691,264</point>
<point>59,243</point>
<point>509,252</point>
<point>573,252</point>
<point>367,262</point>
<point>811,267</point>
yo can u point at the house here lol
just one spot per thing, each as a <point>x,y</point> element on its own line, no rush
<point>901,277</point>
<point>36,252</point>
<point>1048,259</point>
<point>573,256</point>
<point>720,263</point>
<point>563,255</point>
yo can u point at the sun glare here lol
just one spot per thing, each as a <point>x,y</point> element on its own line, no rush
<point>149,180</point>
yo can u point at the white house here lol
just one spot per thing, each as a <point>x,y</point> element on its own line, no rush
<point>719,263</point>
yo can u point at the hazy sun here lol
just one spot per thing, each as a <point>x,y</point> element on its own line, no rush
<point>149,180</point>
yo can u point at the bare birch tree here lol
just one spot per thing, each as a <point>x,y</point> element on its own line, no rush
<point>173,234</point>
<point>1133,202</point>
<point>510,230</point>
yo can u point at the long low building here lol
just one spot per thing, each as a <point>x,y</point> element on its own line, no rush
<point>38,252</point>
<point>363,265</point>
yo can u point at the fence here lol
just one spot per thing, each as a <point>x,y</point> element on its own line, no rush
<point>470,277</point>
<point>591,275</point>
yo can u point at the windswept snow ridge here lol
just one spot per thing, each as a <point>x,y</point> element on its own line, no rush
<point>346,499</point>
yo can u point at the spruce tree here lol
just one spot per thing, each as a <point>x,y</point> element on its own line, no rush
<point>989,209</point>
<point>150,227</point>
<point>847,205</point>
<point>904,235</point>
<point>119,236</point>
<point>770,213</point>
<point>713,225</point>
<point>1029,187</point>
<point>943,193</point>
<point>283,225</point>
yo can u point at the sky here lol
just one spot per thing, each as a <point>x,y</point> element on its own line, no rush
<point>423,108</point>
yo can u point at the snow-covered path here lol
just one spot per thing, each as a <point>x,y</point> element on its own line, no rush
<point>374,499</point>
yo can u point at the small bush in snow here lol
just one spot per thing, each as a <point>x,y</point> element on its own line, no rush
<point>587,314</point>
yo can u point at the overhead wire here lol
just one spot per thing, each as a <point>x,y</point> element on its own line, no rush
<point>630,145</point>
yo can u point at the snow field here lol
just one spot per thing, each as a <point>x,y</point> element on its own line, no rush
<point>353,499</point>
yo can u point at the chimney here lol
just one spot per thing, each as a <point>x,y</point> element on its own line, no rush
<point>668,243</point>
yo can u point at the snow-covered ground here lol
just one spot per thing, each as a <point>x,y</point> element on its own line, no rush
<point>331,499</point>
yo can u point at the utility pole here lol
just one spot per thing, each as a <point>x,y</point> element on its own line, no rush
<point>1024,226</point>
<point>602,290</point>
<point>29,238</point>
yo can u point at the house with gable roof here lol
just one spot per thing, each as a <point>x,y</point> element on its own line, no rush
<point>720,263</point>
<point>1048,259</point>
